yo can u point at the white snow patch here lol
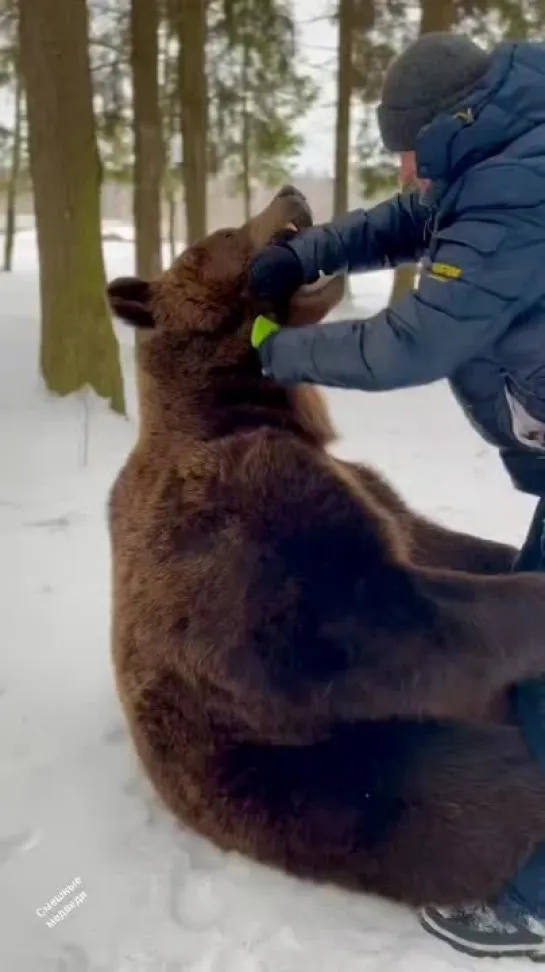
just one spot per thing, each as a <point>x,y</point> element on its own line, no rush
<point>74,803</point>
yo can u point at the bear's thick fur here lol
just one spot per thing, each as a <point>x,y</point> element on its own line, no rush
<point>307,666</point>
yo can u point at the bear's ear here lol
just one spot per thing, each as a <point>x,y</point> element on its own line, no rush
<point>129,299</point>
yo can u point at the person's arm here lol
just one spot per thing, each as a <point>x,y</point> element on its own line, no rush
<point>429,333</point>
<point>389,234</point>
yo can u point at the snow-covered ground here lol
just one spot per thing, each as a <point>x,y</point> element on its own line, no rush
<point>151,897</point>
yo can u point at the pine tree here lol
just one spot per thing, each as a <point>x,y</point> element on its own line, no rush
<point>193,96</point>
<point>12,137</point>
<point>258,92</point>
<point>110,45</point>
<point>78,345</point>
<point>344,98</point>
<point>14,166</point>
<point>170,114</point>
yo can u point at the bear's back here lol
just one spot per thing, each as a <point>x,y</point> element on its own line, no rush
<point>225,569</point>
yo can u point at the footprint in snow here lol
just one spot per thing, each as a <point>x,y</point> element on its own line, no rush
<point>72,959</point>
<point>15,844</point>
<point>114,736</point>
<point>56,524</point>
<point>194,901</point>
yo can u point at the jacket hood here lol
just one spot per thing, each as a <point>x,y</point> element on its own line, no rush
<point>508,102</point>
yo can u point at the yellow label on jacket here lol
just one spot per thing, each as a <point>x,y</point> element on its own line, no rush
<point>445,270</point>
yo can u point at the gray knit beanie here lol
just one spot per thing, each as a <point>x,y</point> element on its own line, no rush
<point>431,75</point>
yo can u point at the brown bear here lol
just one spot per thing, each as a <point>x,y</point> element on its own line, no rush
<point>307,667</point>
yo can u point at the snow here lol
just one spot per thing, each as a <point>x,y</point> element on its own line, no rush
<point>74,804</point>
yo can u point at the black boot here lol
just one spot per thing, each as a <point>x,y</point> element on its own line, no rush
<point>487,931</point>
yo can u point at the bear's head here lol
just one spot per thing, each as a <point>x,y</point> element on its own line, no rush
<point>199,375</point>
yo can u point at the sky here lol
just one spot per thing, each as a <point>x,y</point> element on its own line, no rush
<point>318,44</point>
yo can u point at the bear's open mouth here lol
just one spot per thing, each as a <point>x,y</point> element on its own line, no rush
<point>311,290</point>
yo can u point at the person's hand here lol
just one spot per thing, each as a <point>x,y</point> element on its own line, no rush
<point>275,274</point>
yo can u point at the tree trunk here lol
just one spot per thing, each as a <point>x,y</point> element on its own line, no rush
<point>344,98</point>
<point>148,137</point>
<point>434,15</point>
<point>193,92</point>
<point>171,217</point>
<point>78,345</point>
<point>171,119</point>
<point>13,183</point>
<point>246,175</point>
<point>246,124</point>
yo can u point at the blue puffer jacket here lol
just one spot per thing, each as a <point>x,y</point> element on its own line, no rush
<point>478,316</point>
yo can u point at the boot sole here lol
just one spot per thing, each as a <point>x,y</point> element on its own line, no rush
<point>536,952</point>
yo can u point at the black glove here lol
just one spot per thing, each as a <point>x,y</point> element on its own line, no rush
<point>275,274</point>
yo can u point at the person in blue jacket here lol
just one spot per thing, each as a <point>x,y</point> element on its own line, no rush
<point>470,129</point>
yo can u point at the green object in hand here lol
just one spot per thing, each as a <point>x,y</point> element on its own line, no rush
<point>262,328</point>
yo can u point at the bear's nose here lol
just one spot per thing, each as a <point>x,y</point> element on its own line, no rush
<point>291,191</point>
<point>303,215</point>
